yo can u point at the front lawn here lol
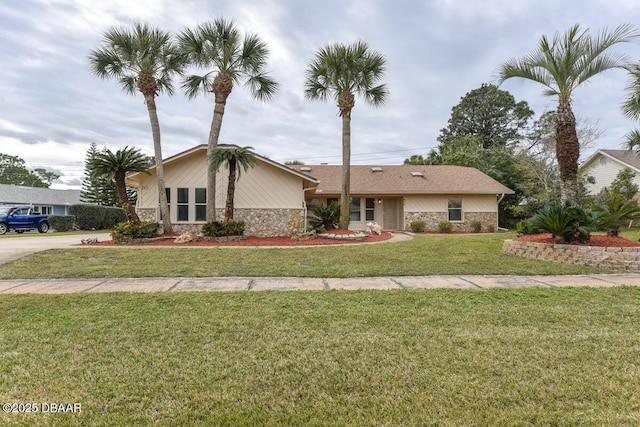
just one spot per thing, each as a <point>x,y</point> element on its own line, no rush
<point>424,255</point>
<point>424,357</point>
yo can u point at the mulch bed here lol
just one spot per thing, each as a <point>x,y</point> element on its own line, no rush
<point>256,241</point>
<point>599,241</point>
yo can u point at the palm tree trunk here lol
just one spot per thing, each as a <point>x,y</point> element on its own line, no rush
<point>214,136</point>
<point>345,195</point>
<point>157,151</point>
<point>231,190</point>
<point>567,150</point>
<point>123,198</point>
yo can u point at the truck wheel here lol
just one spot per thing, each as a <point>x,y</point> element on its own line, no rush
<point>43,227</point>
<point>3,228</point>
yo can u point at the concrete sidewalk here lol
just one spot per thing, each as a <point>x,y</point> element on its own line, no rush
<point>177,284</point>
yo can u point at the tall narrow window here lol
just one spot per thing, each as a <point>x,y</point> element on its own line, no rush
<point>183,204</point>
<point>455,209</point>
<point>201,204</point>
<point>369,209</point>
<point>354,209</point>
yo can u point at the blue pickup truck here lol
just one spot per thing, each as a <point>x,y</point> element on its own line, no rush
<point>21,219</point>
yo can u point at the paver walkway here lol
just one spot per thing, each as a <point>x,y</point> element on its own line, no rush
<point>177,284</point>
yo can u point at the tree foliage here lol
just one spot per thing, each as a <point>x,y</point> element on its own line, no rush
<point>237,160</point>
<point>98,189</point>
<point>116,166</point>
<point>489,114</point>
<point>561,65</point>
<point>14,171</point>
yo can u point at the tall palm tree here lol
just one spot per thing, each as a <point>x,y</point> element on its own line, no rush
<point>236,157</point>
<point>116,166</point>
<point>340,72</point>
<point>142,59</point>
<point>561,65</point>
<point>631,107</point>
<point>231,59</point>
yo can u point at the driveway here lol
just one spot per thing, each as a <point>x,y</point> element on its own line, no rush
<point>12,248</point>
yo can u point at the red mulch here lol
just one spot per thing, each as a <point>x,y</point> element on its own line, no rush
<point>600,241</point>
<point>258,241</point>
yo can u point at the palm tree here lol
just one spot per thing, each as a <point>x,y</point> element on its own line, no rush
<point>142,59</point>
<point>340,72</point>
<point>562,65</point>
<point>219,47</point>
<point>631,107</point>
<point>239,156</point>
<point>116,166</point>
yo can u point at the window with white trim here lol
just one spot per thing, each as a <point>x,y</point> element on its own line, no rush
<point>201,204</point>
<point>455,209</point>
<point>43,210</point>
<point>183,204</point>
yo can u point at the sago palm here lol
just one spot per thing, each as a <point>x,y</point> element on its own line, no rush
<point>340,72</point>
<point>142,59</point>
<point>230,59</point>
<point>116,166</point>
<point>561,65</point>
<point>237,159</point>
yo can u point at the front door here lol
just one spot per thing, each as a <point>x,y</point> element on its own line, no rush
<point>391,213</point>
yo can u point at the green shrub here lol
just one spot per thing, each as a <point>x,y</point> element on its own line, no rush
<point>611,216</point>
<point>444,227</point>
<point>95,217</point>
<point>526,227</point>
<point>61,222</point>
<point>223,228</point>
<point>418,226</point>
<point>126,232</point>
<point>325,217</point>
<point>491,228</point>
<point>566,222</point>
<point>476,226</point>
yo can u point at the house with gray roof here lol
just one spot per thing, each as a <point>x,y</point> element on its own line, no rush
<point>47,201</point>
<point>604,166</point>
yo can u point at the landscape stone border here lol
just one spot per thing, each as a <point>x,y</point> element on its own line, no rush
<point>607,257</point>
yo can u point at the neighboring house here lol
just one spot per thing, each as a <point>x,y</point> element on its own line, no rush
<point>46,201</point>
<point>268,197</point>
<point>604,166</point>
<point>395,196</point>
<point>274,199</point>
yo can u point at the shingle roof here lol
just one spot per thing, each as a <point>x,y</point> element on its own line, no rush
<point>398,179</point>
<point>19,195</point>
<point>626,156</point>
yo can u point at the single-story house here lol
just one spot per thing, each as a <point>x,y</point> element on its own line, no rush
<point>395,196</point>
<point>274,199</point>
<point>47,201</point>
<point>269,197</point>
<point>604,166</point>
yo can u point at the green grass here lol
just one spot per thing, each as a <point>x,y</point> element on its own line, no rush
<point>439,357</point>
<point>424,255</point>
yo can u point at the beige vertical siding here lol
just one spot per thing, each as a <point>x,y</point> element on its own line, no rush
<point>265,186</point>
<point>439,203</point>
<point>604,173</point>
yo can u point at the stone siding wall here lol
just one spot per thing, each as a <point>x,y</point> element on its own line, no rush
<point>432,219</point>
<point>618,258</point>
<point>146,214</point>
<point>259,222</point>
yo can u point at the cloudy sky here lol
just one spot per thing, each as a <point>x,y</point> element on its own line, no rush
<point>52,107</point>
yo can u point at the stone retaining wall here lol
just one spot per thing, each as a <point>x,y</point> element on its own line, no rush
<point>618,258</point>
